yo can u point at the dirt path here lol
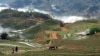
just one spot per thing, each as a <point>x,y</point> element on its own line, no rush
<point>32,26</point>
<point>30,44</point>
<point>5,44</point>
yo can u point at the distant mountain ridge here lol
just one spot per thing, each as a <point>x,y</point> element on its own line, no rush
<point>68,11</point>
<point>20,20</point>
<point>62,7</point>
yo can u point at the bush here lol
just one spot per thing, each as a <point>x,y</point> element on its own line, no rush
<point>47,41</point>
<point>93,30</point>
<point>4,36</point>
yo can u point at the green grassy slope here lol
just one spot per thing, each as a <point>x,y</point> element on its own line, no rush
<point>47,25</point>
<point>74,28</point>
<point>20,20</point>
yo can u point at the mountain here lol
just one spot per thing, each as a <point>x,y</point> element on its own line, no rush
<point>88,8</point>
<point>3,6</point>
<point>21,20</point>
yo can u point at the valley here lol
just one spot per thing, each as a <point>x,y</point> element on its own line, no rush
<point>41,32</point>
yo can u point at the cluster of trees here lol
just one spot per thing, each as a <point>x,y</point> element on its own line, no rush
<point>94,30</point>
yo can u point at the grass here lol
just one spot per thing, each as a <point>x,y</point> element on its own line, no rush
<point>54,53</point>
<point>85,47</point>
<point>91,44</point>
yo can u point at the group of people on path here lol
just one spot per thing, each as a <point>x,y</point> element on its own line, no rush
<point>15,49</point>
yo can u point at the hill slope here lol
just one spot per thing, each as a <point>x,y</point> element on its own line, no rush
<point>21,20</point>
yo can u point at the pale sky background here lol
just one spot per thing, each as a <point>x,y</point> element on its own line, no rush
<point>5,1</point>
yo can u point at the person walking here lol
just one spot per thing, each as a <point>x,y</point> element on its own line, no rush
<point>16,48</point>
<point>13,50</point>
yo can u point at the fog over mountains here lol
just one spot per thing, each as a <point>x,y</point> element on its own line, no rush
<point>61,7</point>
<point>66,9</point>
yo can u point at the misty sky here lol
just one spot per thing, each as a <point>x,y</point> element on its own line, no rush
<point>5,1</point>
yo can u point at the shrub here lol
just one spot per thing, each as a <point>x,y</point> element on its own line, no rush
<point>4,36</point>
<point>93,30</point>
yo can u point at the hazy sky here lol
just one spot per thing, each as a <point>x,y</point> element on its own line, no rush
<point>5,1</point>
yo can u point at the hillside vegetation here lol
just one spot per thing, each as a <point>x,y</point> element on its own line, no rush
<point>21,20</point>
<point>41,32</point>
<point>46,29</point>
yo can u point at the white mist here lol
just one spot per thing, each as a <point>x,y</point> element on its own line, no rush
<point>69,19</point>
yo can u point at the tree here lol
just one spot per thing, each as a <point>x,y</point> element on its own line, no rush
<point>4,36</point>
<point>61,24</point>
